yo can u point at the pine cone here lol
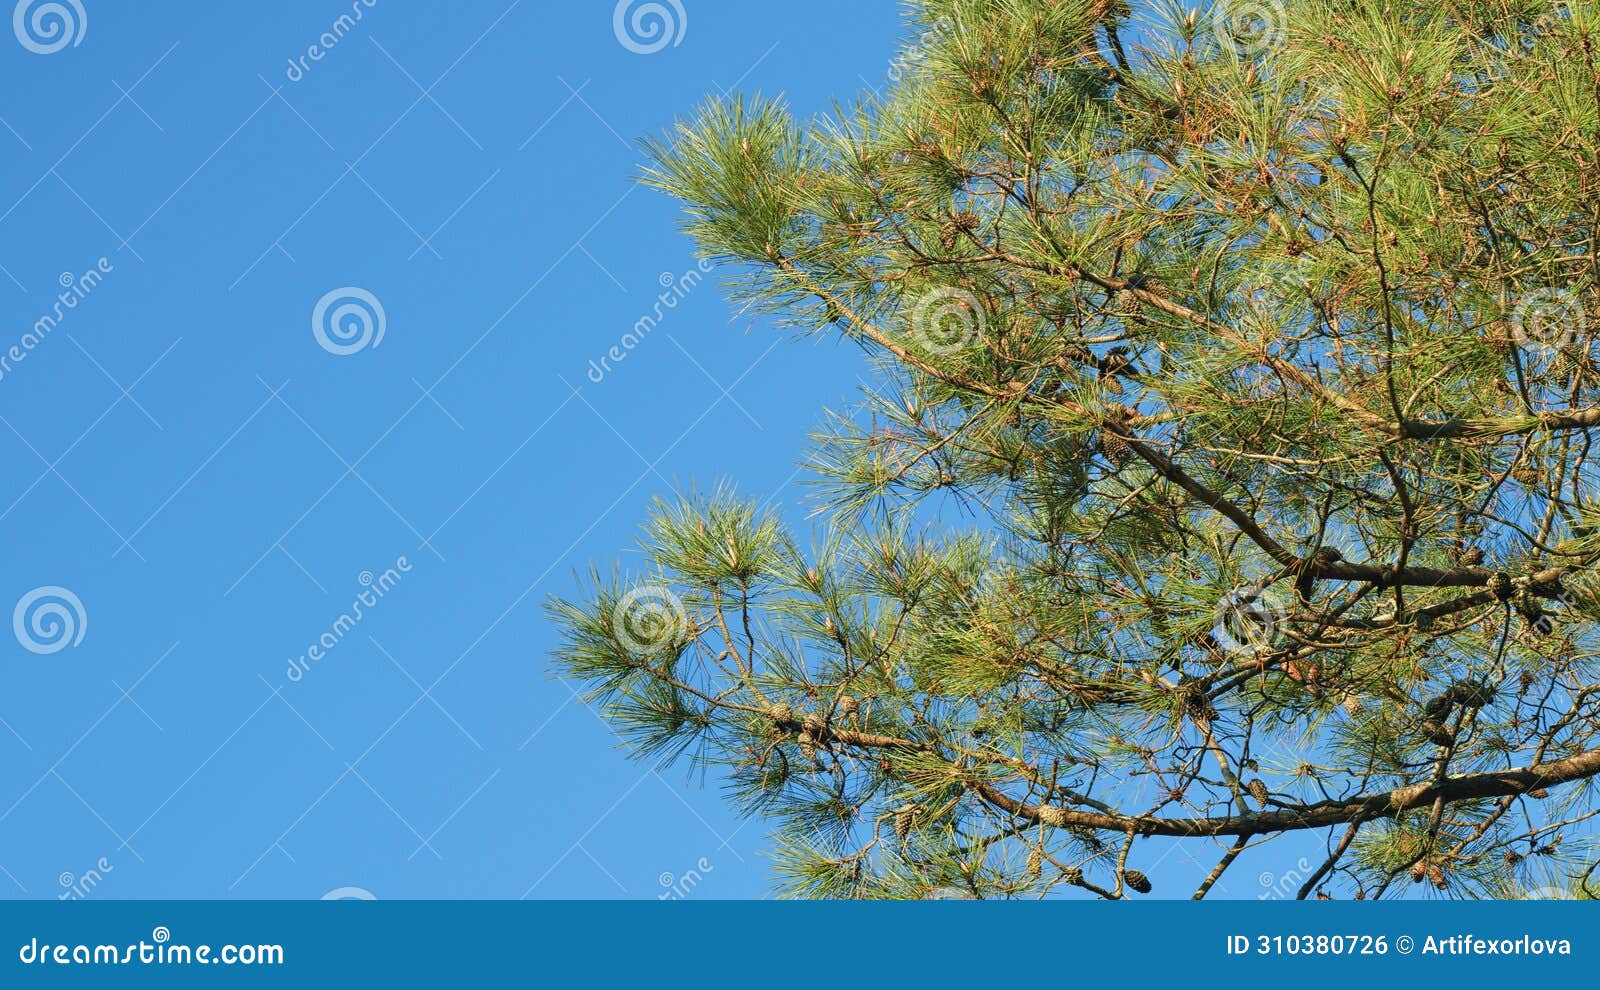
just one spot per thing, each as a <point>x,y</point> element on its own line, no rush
<point>1035,865</point>
<point>1136,881</point>
<point>1436,876</point>
<point>1073,876</point>
<point>1197,705</point>
<point>1470,694</point>
<point>1258,790</point>
<point>1533,614</point>
<point>848,706</point>
<point>905,818</point>
<point>1471,557</point>
<point>1435,731</point>
<point>808,744</point>
<point>1419,871</point>
<point>780,714</point>
<point>1501,587</point>
<point>1115,365</point>
<point>1115,448</point>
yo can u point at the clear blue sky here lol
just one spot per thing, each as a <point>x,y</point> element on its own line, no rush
<point>183,456</point>
<point>210,483</point>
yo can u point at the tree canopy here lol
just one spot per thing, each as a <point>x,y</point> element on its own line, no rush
<point>1226,476</point>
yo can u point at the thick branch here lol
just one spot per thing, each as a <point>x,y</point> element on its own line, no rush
<point>1386,804</point>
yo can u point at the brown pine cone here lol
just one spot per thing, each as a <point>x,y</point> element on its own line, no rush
<point>1501,587</point>
<point>1258,790</point>
<point>1137,881</point>
<point>905,818</point>
<point>1115,448</point>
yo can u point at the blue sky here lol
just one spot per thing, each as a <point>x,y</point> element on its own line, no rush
<point>205,488</point>
<point>210,483</point>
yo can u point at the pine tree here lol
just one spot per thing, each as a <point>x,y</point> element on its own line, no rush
<point>1166,305</point>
